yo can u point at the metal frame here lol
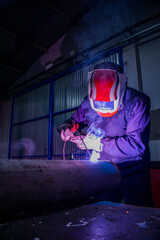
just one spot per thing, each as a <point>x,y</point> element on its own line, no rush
<point>50,128</point>
<point>51,98</point>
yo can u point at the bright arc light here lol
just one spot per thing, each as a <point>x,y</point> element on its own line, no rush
<point>95,156</point>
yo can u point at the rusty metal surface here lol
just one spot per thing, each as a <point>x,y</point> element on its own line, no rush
<point>89,222</point>
<point>26,184</point>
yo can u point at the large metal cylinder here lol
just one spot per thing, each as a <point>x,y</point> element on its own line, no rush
<point>26,184</point>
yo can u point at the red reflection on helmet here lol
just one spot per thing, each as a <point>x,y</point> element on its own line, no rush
<point>103,85</point>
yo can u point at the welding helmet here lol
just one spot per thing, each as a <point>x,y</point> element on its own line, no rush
<point>106,88</point>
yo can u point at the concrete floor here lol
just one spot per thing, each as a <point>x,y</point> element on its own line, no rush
<point>99,221</point>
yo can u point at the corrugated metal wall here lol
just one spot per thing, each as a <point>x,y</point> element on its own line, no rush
<point>29,131</point>
<point>30,125</point>
<point>32,104</point>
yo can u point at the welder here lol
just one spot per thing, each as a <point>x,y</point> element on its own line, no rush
<point>116,120</point>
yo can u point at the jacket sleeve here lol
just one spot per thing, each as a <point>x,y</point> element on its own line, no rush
<point>133,144</point>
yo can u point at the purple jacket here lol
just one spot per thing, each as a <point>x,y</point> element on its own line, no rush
<point>125,135</point>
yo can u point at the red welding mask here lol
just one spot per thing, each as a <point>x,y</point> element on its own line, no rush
<point>104,91</point>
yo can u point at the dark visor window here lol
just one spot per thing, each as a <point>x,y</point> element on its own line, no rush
<point>103,105</point>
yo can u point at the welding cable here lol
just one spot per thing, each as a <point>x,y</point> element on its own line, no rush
<point>64,145</point>
<point>83,143</point>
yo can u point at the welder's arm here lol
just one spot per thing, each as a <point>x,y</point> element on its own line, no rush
<point>66,135</point>
<point>132,144</point>
<point>66,129</point>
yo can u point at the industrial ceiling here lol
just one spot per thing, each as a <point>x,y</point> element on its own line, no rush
<point>28,28</point>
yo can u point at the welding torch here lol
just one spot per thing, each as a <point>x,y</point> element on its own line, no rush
<point>74,129</point>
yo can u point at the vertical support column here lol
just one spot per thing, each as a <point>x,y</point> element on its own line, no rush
<point>120,58</point>
<point>50,127</point>
<point>138,65</point>
<point>10,131</point>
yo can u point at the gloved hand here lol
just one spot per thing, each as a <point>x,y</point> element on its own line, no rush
<point>89,141</point>
<point>66,135</point>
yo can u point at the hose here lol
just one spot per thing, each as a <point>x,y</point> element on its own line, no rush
<point>64,145</point>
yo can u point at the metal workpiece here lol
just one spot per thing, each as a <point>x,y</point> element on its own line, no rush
<point>26,184</point>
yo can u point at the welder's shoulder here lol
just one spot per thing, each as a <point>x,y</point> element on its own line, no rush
<point>85,103</point>
<point>133,95</point>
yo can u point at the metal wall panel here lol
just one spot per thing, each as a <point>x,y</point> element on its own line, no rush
<point>32,104</point>
<point>150,70</point>
<point>69,91</point>
<point>30,139</point>
<point>149,57</point>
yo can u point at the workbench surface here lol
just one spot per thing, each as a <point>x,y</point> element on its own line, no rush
<point>99,221</point>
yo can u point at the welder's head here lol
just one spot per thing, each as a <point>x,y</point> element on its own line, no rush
<point>106,88</point>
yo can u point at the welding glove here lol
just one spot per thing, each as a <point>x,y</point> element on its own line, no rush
<point>88,141</point>
<point>66,134</point>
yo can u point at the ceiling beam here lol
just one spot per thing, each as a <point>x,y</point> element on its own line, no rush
<point>24,38</point>
<point>51,5</point>
<point>11,68</point>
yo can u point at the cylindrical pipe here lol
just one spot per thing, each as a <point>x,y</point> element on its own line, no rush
<point>25,184</point>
